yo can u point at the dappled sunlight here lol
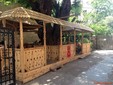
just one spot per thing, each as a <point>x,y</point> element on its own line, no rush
<point>35,83</point>
<point>48,80</point>
<point>56,77</point>
<point>104,52</point>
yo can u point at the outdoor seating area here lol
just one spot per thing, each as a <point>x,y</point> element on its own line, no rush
<point>33,56</point>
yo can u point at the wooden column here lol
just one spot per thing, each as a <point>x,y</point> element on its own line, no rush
<point>4,22</point>
<point>69,37</point>
<point>75,40</point>
<point>22,58</point>
<point>44,31</point>
<point>90,37</point>
<point>4,25</point>
<point>75,36</point>
<point>60,43</point>
<point>91,48</point>
<point>82,40</point>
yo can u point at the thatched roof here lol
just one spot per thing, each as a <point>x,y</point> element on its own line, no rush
<point>24,13</point>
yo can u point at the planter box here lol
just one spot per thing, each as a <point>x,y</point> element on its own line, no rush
<point>86,48</point>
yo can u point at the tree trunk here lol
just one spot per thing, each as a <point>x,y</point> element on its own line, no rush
<point>46,7</point>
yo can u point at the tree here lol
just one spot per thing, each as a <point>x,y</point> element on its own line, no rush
<point>103,8</point>
<point>98,17</point>
<point>109,21</point>
<point>76,9</point>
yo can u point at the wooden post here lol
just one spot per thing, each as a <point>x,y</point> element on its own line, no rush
<point>75,41</point>
<point>69,37</point>
<point>4,22</point>
<point>91,48</point>
<point>22,49</point>
<point>82,41</point>
<point>44,31</point>
<point>90,38</point>
<point>4,25</point>
<point>60,43</point>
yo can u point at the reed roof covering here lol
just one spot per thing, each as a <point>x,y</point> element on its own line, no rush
<point>24,13</point>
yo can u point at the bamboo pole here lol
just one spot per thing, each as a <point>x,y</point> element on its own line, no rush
<point>75,41</point>
<point>82,41</point>
<point>4,22</point>
<point>60,43</point>
<point>44,31</point>
<point>91,48</point>
<point>22,49</point>
<point>4,25</point>
<point>90,36</point>
<point>69,37</point>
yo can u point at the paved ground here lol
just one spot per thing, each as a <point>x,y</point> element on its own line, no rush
<point>96,69</point>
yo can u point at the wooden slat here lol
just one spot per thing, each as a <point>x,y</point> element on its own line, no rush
<point>44,31</point>
<point>52,54</point>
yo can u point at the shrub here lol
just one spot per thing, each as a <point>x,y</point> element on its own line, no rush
<point>85,40</point>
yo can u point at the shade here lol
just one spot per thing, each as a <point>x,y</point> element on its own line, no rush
<point>24,13</point>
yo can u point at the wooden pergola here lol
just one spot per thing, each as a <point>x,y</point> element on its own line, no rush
<point>26,19</point>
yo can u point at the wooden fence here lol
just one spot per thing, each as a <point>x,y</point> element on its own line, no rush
<point>103,42</point>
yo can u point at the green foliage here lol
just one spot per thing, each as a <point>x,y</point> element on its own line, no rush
<point>103,8</point>
<point>100,18</point>
<point>8,2</point>
<point>109,21</point>
<point>101,29</point>
<point>76,9</point>
<point>85,40</point>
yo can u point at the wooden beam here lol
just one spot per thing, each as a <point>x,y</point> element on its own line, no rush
<point>90,37</point>
<point>61,35</point>
<point>30,31</point>
<point>60,43</point>
<point>75,41</point>
<point>21,35</point>
<point>4,22</point>
<point>22,48</point>
<point>69,37</point>
<point>32,26</point>
<point>44,31</point>
<point>67,16</point>
<point>82,41</point>
<point>4,25</point>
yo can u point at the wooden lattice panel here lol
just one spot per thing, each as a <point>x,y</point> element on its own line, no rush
<point>52,53</point>
<point>86,48</point>
<point>17,60</point>
<point>34,58</point>
<point>64,52</point>
<point>68,51</point>
<point>73,51</point>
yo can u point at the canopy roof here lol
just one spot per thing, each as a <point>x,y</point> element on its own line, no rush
<point>24,13</point>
